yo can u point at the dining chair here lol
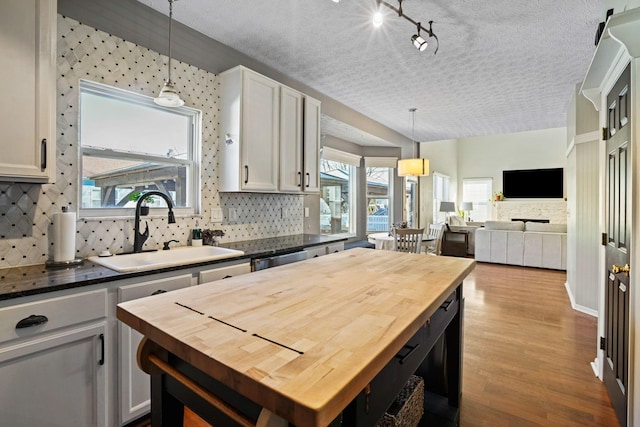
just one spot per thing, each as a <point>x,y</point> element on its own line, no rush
<point>408,239</point>
<point>436,231</point>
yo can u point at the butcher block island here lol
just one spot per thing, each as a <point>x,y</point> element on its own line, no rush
<point>327,341</point>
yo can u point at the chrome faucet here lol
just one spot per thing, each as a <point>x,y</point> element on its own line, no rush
<point>140,238</point>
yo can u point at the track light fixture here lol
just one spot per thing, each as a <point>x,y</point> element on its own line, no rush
<point>418,41</point>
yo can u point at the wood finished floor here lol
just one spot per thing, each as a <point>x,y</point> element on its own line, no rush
<point>526,354</point>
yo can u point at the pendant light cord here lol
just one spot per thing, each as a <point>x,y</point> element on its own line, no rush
<point>413,129</point>
<point>170,21</point>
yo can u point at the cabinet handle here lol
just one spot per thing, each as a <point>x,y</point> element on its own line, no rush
<point>445,305</point>
<point>159,291</point>
<point>308,179</point>
<point>43,154</point>
<point>227,277</point>
<point>246,174</point>
<point>33,320</point>
<point>406,356</point>
<point>101,361</point>
<point>300,179</point>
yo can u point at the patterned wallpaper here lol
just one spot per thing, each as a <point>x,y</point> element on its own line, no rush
<point>26,210</point>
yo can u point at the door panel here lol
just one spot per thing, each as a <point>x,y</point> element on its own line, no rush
<point>616,373</point>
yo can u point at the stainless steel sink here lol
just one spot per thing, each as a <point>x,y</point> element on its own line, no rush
<point>183,255</point>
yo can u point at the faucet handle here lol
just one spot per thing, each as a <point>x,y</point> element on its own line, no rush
<point>146,230</point>
<point>165,245</point>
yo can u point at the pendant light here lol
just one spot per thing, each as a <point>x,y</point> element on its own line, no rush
<point>169,96</point>
<point>415,166</point>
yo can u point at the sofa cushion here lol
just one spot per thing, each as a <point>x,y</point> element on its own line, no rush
<point>549,228</point>
<point>504,225</point>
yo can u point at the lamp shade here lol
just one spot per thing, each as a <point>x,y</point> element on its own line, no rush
<point>466,206</point>
<point>169,96</point>
<point>447,207</point>
<point>413,167</point>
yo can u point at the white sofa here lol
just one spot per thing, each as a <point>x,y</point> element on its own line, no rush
<point>530,244</point>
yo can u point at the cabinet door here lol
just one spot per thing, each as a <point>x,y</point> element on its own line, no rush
<point>27,122</point>
<point>221,273</point>
<point>55,380</point>
<point>292,178</point>
<point>260,130</point>
<point>312,145</point>
<point>135,391</point>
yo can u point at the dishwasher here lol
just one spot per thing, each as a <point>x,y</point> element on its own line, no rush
<point>276,260</point>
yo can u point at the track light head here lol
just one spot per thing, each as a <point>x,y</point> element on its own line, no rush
<point>418,42</point>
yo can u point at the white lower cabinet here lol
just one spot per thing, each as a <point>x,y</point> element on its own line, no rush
<point>220,273</point>
<point>134,388</point>
<point>316,251</point>
<point>52,368</point>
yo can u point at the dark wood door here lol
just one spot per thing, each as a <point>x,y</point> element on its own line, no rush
<point>618,222</point>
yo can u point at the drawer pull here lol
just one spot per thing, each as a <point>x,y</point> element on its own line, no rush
<point>227,277</point>
<point>101,361</point>
<point>445,305</point>
<point>33,320</point>
<point>406,356</point>
<point>158,292</point>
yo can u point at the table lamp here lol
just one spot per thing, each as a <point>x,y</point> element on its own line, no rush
<point>447,207</point>
<point>466,207</point>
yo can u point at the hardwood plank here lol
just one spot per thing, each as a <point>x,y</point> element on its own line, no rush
<point>527,353</point>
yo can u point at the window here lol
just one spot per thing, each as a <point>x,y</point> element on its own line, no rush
<point>378,198</point>
<point>440,194</point>
<point>411,201</point>
<point>478,192</point>
<point>130,145</point>
<point>337,192</point>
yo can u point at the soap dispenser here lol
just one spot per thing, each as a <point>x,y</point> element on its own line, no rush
<point>196,236</point>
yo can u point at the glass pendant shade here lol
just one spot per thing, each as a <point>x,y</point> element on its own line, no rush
<point>413,167</point>
<point>168,96</point>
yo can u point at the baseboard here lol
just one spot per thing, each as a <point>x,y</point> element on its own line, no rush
<point>577,307</point>
<point>595,365</point>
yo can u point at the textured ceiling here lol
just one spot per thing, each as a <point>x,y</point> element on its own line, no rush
<point>503,66</point>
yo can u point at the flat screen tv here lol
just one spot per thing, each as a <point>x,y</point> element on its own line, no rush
<point>533,184</point>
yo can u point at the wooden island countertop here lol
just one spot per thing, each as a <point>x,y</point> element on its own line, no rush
<point>301,340</point>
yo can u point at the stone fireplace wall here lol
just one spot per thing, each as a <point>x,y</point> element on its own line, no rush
<point>553,210</point>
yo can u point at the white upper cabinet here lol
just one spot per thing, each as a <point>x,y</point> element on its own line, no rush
<point>291,145</point>
<point>299,142</point>
<point>27,111</point>
<point>269,135</point>
<point>249,130</point>
<point>311,144</point>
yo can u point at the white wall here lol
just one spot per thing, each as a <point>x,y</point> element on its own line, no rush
<point>443,158</point>
<point>488,156</point>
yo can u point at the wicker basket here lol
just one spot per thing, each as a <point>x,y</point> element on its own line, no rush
<point>408,408</point>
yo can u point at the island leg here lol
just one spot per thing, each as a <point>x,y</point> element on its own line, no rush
<point>166,410</point>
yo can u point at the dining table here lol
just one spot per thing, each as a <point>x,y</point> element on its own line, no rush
<point>386,241</point>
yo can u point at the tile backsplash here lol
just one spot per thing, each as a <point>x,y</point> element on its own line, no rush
<point>26,210</point>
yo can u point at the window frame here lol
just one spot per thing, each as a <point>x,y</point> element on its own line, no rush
<point>351,183</point>
<point>440,217</point>
<point>486,201</point>
<point>388,196</point>
<point>194,150</point>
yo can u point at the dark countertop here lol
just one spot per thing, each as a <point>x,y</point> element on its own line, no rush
<point>281,245</point>
<point>19,282</point>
